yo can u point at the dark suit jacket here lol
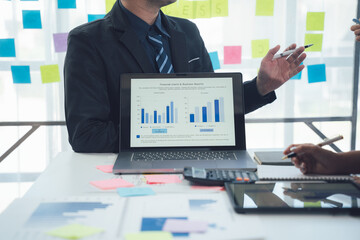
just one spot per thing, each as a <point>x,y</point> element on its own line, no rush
<point>99,52</point>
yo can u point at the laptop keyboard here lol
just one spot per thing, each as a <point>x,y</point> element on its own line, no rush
<point>161,156</point>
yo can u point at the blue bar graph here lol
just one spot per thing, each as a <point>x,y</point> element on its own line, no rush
<point>166,115</point>
<point>213,111</point>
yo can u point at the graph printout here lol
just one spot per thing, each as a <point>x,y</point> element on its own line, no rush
<point>180,112</point>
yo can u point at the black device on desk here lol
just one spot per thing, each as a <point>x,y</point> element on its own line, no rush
<point>217,177</point>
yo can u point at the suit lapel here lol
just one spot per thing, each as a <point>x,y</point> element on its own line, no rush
<point>129,38</point>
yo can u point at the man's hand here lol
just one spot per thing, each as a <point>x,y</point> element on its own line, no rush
<point>356,30</point>
<point>274,73</point>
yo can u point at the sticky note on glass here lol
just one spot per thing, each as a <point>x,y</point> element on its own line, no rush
<point>316,73</point>
<point>297,76</point>
<point>7,47</point>
<point>264,8</point>
<point>186,9</point>
<point>60,41</point>
<point>162,179</point>
<point>66,4</point>
<point>135,191</point>
<point>259,48</point>
<point>111,184</point>
<point>214,57</point>
<point>172,9</point>
<point>50,73</point>
<point>315,21</point>
<point>105,168</point>
<point>312,204</point>
<point>21,74</point>
<point>31,19</point>
<point>202,9</point>
<point>74,231</point>
<point>109,4</point>
<point>93,17</point>
<point>219,8</point>
<point>184,226</point>
<point>232,54</point>
<point>149,235</point>
<point>316,39</point>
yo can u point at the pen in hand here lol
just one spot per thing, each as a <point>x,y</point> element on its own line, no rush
<point>289,52</point>
<point>326,142</point>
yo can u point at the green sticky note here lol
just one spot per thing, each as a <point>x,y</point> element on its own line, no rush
<point>259,48</point>
<point>219,8</point>
<point>50,73</point>
<point>149,235</point>
<point>264,8</point>
<point>109,4</point>
<point>186,9</point>
<point>316,39</point>
<point>74,231</point>
<point>202,9</point>
<point>315,21</point>
<point>172,9</point>
<point>313,204</point>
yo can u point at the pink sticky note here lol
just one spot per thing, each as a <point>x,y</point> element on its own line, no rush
<point>160,179</point>
<point>184,226</point>
<point>232,54</point>
<point>111,184</point>
<point>216,188</point>
<point>60,41</point>
<point>105,168</point>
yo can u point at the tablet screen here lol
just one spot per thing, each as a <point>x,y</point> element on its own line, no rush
<point>285,197</point>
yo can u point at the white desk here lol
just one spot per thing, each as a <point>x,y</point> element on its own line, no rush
<point>69,175</point>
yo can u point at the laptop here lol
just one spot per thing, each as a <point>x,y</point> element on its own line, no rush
<point>170,121</point>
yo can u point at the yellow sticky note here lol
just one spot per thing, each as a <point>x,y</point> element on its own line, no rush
<point>149,235</point>
<point>316,39</point>
<point>202,9</point>
<point>315,21</point>
<point>172,9</point>
<point>74,231</point>
<point>186,9</point>
<point>50,73</point>
<point>219,8</point>
<point>313,204</point>
<point>259,48</point>
<point>264,8</point>
<point>109,4</point>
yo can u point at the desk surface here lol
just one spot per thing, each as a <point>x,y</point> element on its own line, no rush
<point>69,174</point>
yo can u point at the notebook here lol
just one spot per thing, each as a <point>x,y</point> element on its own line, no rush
<point>170,121</point>
<point>286,173</point>
<point>271,158</point>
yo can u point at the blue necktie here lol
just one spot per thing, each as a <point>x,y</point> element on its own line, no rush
<point>162,59</point>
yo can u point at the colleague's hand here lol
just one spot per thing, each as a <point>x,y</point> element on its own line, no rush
<point>274,73</point>
<point>311,158</point>
<point>356,30</point>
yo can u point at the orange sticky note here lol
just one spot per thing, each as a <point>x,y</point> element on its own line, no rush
<point>232,54</point>
<point>215,188</point>
<point>105,168</point>
<point>162,179</point>
<point>111,184</point>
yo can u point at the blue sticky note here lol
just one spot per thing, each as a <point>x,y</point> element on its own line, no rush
<point>316,73</point>
<point>135,191</point>
<point>21,74</point>
<point>66,4</point>
<point>93,17</point>
<point>7,47</point>
<point>215,60</point>
<point>31,19</point>
<point>297,76</point>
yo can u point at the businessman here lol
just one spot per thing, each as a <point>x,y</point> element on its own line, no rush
<point>136,37</point>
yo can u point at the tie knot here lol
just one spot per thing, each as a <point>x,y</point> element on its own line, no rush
<point>155,40</point>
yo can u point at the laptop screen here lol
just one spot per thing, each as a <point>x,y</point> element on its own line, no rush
<point>182,112</point>
<point>195,110</point>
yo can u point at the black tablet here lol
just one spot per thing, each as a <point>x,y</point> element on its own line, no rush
<point>295,197</point>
